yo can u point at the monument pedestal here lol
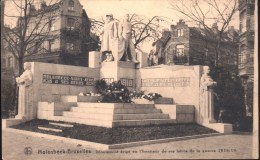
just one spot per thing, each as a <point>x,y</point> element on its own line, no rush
<point>119,70</point>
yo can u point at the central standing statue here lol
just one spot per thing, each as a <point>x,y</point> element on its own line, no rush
<point>116,40</point>
<point>109,37</point>
<point>125,34</point>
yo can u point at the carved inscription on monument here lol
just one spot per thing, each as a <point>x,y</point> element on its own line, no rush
<point>127,82</point>
<point>67,80</point>
<point>166,82</point>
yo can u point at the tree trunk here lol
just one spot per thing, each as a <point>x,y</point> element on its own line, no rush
<point>20,66</point>
<point>217,53</point>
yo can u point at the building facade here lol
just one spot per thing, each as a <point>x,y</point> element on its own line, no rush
<point>184,45</point>
<point>246,50</point>
<point>67,27</point>
<point>57,33</point>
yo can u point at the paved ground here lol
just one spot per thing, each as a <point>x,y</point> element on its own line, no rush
<point>219,147</point>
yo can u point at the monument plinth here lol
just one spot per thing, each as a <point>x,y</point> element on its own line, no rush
<point>119,70</point>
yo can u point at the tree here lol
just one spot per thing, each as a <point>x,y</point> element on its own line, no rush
<point>33,27</point>
<point>201,11</point>
<point>143,28</point>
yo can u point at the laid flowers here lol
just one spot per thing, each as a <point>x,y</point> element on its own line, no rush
<point>141,94</point>
<point>89,94</point>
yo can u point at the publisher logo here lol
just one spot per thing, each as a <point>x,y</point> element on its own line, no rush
<point>27,151</point>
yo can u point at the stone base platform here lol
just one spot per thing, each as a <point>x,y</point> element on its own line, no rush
<point>113,114</point>
<point>6,123</point>
<point>219,127</point>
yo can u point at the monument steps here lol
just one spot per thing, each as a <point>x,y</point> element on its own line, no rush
<point>140,116</point>
<point>137,111</point>
<point>143,122</point>
<point>122,110</point>
<point>88,115</point>
<point>94,122</point>
<point>115,123</point>
<point>114,105</point>
<point>115,116</point>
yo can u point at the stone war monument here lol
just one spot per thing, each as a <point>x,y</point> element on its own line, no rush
<point>54,91</point>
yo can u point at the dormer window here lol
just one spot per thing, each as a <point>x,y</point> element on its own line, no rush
<point>71,5</point>
<point>179,32</point>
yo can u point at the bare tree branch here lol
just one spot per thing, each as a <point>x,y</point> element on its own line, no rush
<point>195,10</point>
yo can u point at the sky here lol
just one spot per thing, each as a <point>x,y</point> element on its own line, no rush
<point>99,8</point>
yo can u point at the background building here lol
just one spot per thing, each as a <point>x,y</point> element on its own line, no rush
<point>195,46</point>
<point>68,34</point>
<point>60,33</point>
<point>246,50</point>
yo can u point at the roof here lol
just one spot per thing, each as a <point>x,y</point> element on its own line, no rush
<point>49,8</point>
<point>226,37</point>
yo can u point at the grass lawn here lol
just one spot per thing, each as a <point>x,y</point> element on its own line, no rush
<point>120,134</point>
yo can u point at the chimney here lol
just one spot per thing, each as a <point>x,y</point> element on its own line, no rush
<point>215,27</point>
<point>31,9</point>
<point>231,29</point>
<point>172,27</point>
<point>231,32</point>
<point>42,4</point>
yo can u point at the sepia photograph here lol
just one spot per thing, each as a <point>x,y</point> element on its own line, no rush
<point>129,79</point>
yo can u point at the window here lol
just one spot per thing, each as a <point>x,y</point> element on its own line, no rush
<point>180,50</point>
<point>37,28</point>
<point>70,46</point>
<point>51,25</point>
<point>242,55</point>
<point>17,40</point>
<point>243,22</point>
<point>37,45</point>
<point>70,23</point>
<point>51,44</point>
<point>206,53</point>
<point>10,62</point>
<point>46,45</point>
<point>179,32</point>
<point>71,5</point>
<point>252,22</point>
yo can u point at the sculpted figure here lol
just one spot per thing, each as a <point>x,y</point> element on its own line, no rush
<point>109,36</point>
<point>23,82</point>
<point>127,51</point>
<point>207,101</point>
<point>153,55</point>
